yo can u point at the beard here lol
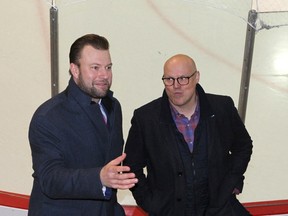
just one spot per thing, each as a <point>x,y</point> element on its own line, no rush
<point>93,91</point>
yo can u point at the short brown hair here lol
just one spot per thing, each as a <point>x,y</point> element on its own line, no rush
<point>96,41</point>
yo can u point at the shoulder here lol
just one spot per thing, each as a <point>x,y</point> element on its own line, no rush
<point>214,102</point>
<point>150,106</point>
<point>50,109</point>
<point>50,104</point>
<point>217,100</point>
<point>153,111</point>
<point>222,106</point>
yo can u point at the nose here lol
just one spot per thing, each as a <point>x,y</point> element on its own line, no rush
<point>103,72</point>
<point>176,84</point>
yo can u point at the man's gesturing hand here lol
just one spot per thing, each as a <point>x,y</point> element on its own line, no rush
<point>114,175</point>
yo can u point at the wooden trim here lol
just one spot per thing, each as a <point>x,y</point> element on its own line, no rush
<point>255,208</point>
<point>267,207</point>
<point>14,200</point>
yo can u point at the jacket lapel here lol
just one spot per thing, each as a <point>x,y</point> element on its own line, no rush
<point>167,130</point>
<point>92,111</point>
<point>208,119</point>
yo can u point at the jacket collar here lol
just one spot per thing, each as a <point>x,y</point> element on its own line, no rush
<point>205,107</point>
<point>84,99</point>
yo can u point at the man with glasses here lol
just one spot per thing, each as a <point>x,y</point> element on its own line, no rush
<point>194,146</point>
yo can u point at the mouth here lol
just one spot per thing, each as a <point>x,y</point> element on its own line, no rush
<point>177,93</point>
<point>101,83</point>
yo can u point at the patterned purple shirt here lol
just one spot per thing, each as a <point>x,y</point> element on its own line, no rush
<point>186,126</point>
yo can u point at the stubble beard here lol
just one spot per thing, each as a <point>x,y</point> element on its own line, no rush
<point>96,93</point>
<point>93,91</point>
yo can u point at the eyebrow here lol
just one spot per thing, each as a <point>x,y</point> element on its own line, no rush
<point>110,64</point>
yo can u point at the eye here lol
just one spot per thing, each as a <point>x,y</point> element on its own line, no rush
<point>169,78</point>
<point>94,67</point>
<point>109,67</point>
<point>182,78</point>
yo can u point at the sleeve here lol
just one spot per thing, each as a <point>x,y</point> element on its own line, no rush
<point>241,148</point>
<point>50,170</point>
<point>136,159</point>
<point>240,151</point>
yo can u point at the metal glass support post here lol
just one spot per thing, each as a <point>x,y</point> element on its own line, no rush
<point>247,63</point>
<point>54,50</point>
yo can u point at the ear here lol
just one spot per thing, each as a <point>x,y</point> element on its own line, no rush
<point>74,69</point>
<point>197,76</point>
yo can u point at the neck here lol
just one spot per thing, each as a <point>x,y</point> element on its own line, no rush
<point>96,100</point>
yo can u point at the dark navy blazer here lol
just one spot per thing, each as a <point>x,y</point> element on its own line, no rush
<point>70,143</point>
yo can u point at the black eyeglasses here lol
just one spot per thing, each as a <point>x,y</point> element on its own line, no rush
<point>169,81</point>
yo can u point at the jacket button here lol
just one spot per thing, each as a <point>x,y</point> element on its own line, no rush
<point>179,199</point>
<point>179,173</point>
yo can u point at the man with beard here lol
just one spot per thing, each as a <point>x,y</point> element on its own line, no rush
<point>76,140</point>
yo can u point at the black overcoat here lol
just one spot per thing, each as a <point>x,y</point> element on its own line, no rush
<point>152,143</point>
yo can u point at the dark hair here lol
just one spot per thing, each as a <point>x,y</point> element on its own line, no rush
<point>96,41</point>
